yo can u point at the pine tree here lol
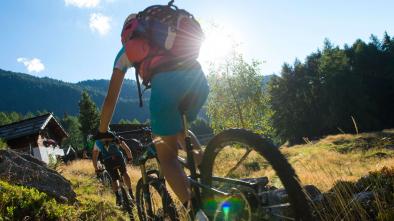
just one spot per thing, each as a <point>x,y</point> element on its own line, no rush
<point>72,126</point>
<point>89,117</point>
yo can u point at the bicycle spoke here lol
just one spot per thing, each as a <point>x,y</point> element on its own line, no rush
<point>283,217</point>
<point>237,154</point>
<point>277,206</point>
<point>239,162</point>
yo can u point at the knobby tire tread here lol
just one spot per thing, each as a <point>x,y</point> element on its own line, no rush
<point>271,153</point>
<point>166,199</point>
<point>127,203</point>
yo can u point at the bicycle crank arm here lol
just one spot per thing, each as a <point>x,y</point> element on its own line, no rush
<point>193,182</point>
<point>232,181</point>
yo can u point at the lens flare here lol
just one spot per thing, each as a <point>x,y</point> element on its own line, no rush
<point>224,208</point>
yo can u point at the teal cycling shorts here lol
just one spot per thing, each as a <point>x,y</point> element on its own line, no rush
<point>168,90</point>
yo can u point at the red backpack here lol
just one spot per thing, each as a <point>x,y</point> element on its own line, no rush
<point>164,36</point>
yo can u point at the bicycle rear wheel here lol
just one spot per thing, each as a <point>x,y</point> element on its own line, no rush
<point>154,198</point>
<point>238,154</point>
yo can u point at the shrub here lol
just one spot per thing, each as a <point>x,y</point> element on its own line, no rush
<point>20,203</point>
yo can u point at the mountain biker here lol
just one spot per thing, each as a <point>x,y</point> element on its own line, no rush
<point>113,159</point>
<point>171,84</point>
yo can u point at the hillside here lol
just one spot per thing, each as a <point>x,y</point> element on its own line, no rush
<point>128,92</point>
<point>25,93</point>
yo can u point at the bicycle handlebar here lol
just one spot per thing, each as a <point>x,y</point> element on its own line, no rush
<point>137,131</point>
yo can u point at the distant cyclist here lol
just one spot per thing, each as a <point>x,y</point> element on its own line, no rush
<point>113,160</point>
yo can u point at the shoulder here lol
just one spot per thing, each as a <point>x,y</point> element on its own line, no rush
<point>98,145</point>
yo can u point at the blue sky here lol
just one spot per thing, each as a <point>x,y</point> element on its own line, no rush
<point>74,40</point>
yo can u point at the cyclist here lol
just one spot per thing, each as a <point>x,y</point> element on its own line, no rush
<point>113,160</point>
<point>170,85</point>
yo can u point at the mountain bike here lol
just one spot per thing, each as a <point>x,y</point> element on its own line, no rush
<point>226,195</point>
<point>153,201</point>
<point>103,175</point>
<point>126,198</point>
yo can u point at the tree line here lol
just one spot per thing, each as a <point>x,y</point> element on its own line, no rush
<point>335,90</point>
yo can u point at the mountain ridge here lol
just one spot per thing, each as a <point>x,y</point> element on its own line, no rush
<point>24,93</point>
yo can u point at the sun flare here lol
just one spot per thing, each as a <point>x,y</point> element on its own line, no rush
<point>218,43</point>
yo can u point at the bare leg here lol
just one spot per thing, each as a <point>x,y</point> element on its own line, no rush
<point>115,186</point>
<point>167,153</point>
<point>197,150</point>
<point>126,180</point>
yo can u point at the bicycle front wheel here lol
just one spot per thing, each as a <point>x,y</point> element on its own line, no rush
<point>236,156</point>
<point>106,179</point>
<point>153,201</point>
<point>128,203</point>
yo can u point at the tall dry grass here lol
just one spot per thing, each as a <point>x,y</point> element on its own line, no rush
<point>325,162</point>
<point>343,158</point>
<point>331,164</point>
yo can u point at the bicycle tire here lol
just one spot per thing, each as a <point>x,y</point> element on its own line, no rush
<point>271,153</point>
<point>106,179</point>
<point>127,203</point>
<point>167,204</point>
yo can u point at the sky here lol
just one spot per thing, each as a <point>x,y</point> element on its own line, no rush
<point>75,40</point>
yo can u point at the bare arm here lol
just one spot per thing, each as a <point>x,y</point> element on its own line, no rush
<point>110,100</point>
<point>95,154</point>
<point>126,148</point>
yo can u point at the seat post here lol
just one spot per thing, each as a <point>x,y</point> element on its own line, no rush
<point>185,125</point>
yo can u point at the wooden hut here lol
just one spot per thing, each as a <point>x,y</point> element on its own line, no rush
<point>39,136</point>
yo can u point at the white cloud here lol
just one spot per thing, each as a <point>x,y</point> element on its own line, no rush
<point>99,23</point>
<point>82,3</point>
<point>32,65</point>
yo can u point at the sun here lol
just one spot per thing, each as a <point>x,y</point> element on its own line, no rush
<point>218,44</point>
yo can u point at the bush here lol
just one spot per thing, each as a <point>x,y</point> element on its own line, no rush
<point>20,203</point>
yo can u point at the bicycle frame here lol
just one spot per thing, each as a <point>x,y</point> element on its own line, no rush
<point>192,167</point>
<point>193,178</point>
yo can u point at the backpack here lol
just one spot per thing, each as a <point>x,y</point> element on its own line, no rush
<point>173,35</point>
